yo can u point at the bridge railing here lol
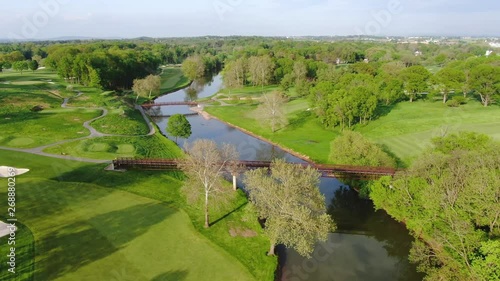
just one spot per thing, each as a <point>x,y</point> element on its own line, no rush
<point>158,164</point>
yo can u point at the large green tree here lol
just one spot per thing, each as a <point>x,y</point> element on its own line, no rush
<point>288,197</point>
<point>351,148</point>
<point>194,67</point>
<point>447,80</point>
<point>485,80</point>
<point>179,126</point>
<point>415,81</point>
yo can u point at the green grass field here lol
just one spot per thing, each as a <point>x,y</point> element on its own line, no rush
<point>20,93</point>
<point>122,121</point>
<point>91,224</point>
<point>172,80</point>
<point>406,130</point>
<point>109,148</point>
<point>32,129</point>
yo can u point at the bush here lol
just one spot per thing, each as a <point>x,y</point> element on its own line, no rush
<point>460,99</point>
<point>453,103</point>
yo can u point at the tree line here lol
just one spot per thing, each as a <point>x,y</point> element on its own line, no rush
<point>345,95</point>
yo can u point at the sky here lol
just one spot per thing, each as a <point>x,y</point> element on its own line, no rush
<point>43,19</point>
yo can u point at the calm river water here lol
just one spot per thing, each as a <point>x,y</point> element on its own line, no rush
<point>368,245</point>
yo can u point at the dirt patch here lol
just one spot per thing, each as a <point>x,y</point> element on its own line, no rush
<point>242,232</point>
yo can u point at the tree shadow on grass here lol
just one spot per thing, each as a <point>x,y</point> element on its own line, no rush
<point>73,246</point>
<point>300,120</point>
<point>399,163</point>
<point>178,275</point>
<point>383,110</point>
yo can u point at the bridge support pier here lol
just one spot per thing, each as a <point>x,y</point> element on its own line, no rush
<point>235,187</point>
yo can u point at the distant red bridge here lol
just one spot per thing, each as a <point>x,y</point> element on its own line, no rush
<point>332,171</point>
<point>190,103</point>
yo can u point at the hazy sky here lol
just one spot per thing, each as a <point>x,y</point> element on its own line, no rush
<point>113,18</point>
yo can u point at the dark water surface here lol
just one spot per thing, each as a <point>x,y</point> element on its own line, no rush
<point>368,245</point>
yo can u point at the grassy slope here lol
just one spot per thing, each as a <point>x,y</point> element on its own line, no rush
<point>304,134</point>
<point>406,129</point>
<point>23,128</point>
<point>145,184</point>
<point>172,80</point>
<point>100,225</point>
<point>109,148</point>
<point>19,93</point>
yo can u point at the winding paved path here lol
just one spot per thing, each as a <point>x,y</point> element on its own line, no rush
<point>93,134</point>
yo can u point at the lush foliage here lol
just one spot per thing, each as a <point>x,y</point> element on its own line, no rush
<point>351,148</point>
<point>450,199</point>
<point>179,126</point>
<point>288,198</point>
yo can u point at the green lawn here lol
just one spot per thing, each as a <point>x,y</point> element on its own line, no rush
<point>109,148</point>
<point>173,79</point>
<point>406,130</point>
<point>90,224</point>
<point>32,129</point>
<point>122,121</point>
<point>20,93</point>
<point>304,134</point>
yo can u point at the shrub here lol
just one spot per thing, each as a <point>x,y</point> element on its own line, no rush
<point>453,103</point>
<point>460,99</point>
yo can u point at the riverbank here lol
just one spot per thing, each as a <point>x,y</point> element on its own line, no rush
<point>284,148</point>
<point>403,129</point>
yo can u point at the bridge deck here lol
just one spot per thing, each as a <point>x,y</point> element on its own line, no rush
<point>190,103</point>
<point>326,170</point>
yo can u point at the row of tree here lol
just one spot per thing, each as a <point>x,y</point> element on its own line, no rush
<point>101,67</point>
<point>343,97</point>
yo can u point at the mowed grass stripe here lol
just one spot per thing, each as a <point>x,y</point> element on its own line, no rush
<point>86,232</point>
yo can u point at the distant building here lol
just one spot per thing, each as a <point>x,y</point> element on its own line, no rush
<point>489,52</point>
<point>495,45</point>
<point>418,53</point>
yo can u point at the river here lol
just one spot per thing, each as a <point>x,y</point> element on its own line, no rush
<point>368,244</point>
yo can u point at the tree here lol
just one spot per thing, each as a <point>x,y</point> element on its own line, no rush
<point>448,80</point>
<point>288,197</point>
<point>147,86</point>
<point>179,126</point>
<point>351,148</point>
<point>194,67</point>
<point>235,73</point>
<point>20,66</point>
<point>415,80</point>
<point>272,110</point>
<point>391,89</point>
<point>485,79</point>
<point>260,70</point>
<point>33,65</point>
<point>204,166</point>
